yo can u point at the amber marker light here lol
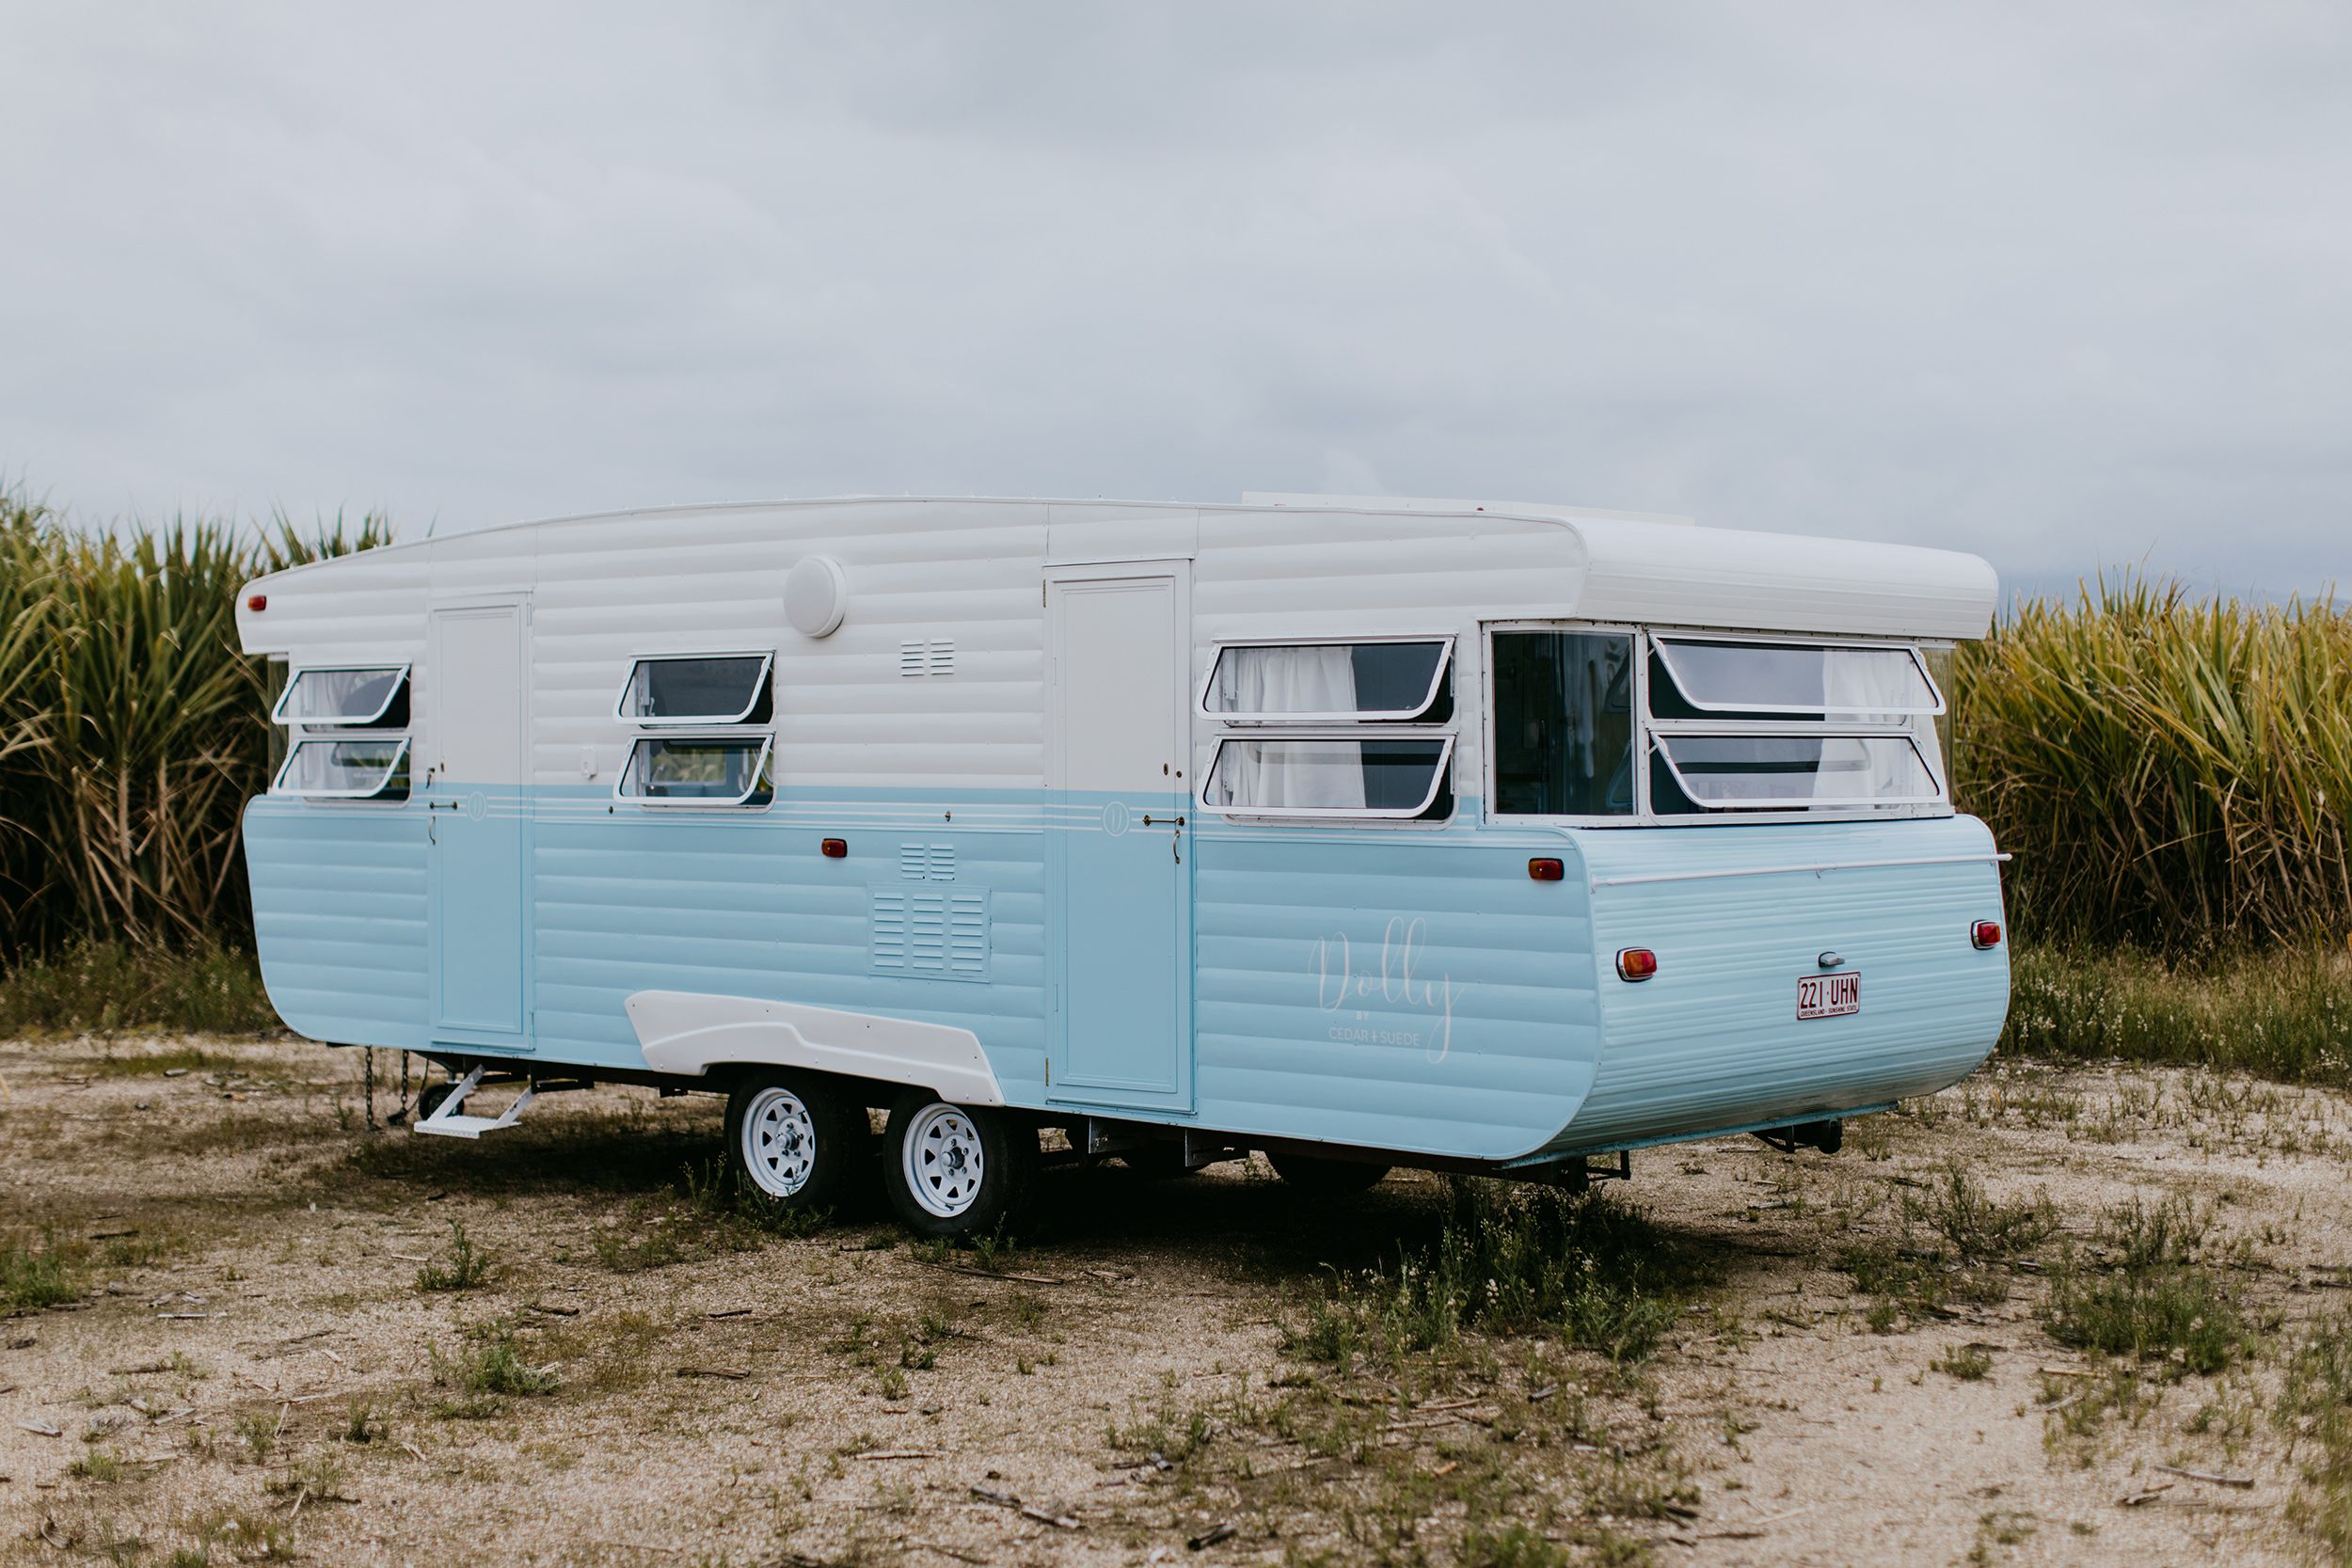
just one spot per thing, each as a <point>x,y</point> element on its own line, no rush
<point>836,848</point>
<point>257,602</point>
<point>1636,963</point>
<point>1546,870</point>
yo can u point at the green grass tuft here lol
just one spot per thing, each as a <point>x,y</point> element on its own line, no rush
<point>34,1277</point>
<point>1510,1258</point>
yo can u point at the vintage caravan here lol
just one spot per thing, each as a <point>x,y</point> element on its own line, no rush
<point>1360,831</point>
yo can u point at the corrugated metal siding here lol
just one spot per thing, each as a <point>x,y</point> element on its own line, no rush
<point>1280,1054</point>
<point>1715,1041</point>
<point>339,897</point>
<point>748,906</point>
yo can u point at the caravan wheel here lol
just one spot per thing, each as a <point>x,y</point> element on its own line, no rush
<point>956,1170</point>
<point>792,1140</point>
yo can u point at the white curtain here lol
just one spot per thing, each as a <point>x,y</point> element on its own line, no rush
<point>1291,773</point>
<point>1853,681</point>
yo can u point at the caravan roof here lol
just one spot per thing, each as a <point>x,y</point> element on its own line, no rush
<point>1590,564</point>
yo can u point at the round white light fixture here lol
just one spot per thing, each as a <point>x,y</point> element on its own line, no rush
<point>816,595</point>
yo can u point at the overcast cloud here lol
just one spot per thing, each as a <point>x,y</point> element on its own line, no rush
<point>2069,286</point>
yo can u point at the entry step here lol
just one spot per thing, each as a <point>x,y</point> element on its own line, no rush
<point>448,1120</point>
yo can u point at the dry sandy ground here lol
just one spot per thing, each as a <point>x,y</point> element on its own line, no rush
<point>253,1369</point>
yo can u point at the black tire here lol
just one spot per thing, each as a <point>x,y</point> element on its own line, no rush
<point>968,1173</point>
<point>429,1098</point>
<point>794,1141</point>
<point>1312,1173</point>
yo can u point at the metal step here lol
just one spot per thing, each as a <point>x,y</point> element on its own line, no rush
<point>449,1120</point>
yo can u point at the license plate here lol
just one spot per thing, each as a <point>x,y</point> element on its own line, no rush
<point>1829,995</point>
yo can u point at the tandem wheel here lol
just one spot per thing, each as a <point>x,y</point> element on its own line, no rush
<point>956,1171</point>
<point>794,1140</point>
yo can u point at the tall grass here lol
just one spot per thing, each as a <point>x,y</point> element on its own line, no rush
<point>2169,773</point>
<point>2284,1014</point>
<point>131,729</point>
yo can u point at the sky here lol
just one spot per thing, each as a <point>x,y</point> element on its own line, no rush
<point>2070,286</point>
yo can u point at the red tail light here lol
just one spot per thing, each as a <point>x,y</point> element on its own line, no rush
<point>1985,933</point>
<point>1546,870</point>
<point>834,848</point>
<point>257,602</point>
<point>1636,963</point>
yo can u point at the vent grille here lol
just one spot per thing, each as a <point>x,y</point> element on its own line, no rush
<point>936,936</point>
<point>935,656</point>
<point>927,862</point>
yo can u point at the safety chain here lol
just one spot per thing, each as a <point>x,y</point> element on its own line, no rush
<point>406,1103</point>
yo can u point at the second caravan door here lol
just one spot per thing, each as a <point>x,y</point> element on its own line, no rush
<point>480,724</point>
<point>1119,867</point>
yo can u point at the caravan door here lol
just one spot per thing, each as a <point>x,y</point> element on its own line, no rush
<point>475,827</point>
<point>1117,857</point>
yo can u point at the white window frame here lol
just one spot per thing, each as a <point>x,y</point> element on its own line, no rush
<point>666,721</point>
<point>1639,815</point>
<point>1804,803</point>
<point>704,802</point>
<point>1353,716</point>
<point>402,672</point>
<point>1647,730</point>
<point>1439,777</point>
<point>279,785</point>
<point>1661,642</point>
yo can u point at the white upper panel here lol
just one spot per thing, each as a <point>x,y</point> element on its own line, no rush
<point>935,675</point>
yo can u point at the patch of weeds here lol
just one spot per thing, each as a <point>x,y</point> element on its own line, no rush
<point>894,1384</point>
<point>1513,1547</point>
<point>2000,1527</point>
<point>1956,1242</point>
<point>742,1216</point>
<point>483,1374</point>
<point>463,1266</point>
<point>259,1430</point>
<point>362,1424</point>
<point>2314,1410</point>
<point>996,1252</point>
<point>1622,1491</point>
<point>32,1278</point>
<point>615,1350</point>
<point>1977,1227</point>
<point>1967,1363</point>
<point>1175,1436</point>
<point>2141,1291</point>
<point>247,1537</point>
<point>99,1466</point>
<point>1510,1258</point>
<point>321,1478</point>
<point>2075,1411</point>
<point>709,1215</point>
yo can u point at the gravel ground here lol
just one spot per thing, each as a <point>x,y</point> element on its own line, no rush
<point>251,1366</point>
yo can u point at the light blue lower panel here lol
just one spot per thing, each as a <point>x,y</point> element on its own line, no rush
<point>478,914</point>
<point>1118,873</point>
<point>1736,916</point>
<point>1409,988</point>
<point>340,919</point>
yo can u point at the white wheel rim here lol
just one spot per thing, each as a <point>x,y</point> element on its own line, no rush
<point>945,1165</point>
<point>779,1142</point>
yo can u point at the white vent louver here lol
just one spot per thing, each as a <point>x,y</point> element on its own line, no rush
<point>939,936</point>
<point>934,656</point>
<point>927,862</point>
